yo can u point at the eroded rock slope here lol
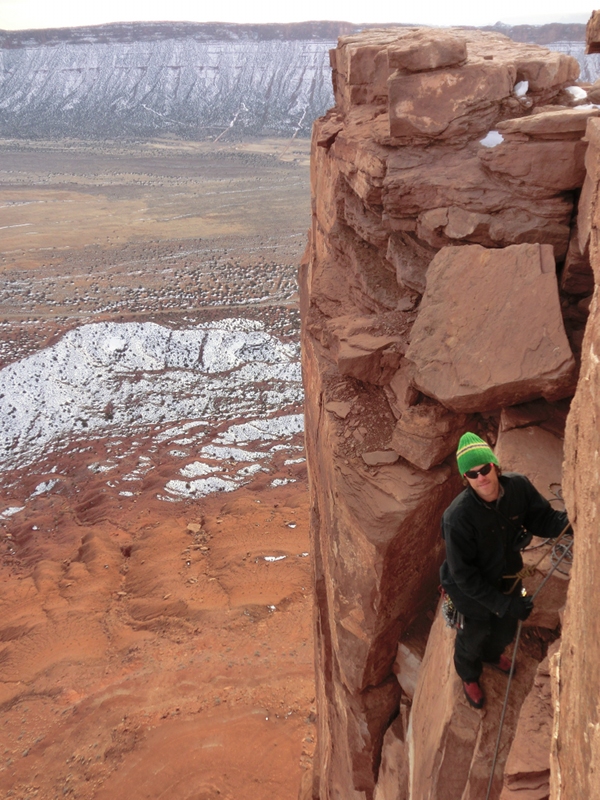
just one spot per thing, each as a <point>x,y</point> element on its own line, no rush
<point>445,288</point>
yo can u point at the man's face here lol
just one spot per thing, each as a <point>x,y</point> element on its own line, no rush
<point>486,486</point>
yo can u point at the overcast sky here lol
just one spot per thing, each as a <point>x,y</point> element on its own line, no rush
<point>17,14</point>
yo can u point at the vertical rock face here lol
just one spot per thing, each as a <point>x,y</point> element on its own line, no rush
<point>444,189</point>
<point>527,771</point>
<point>576,672</point>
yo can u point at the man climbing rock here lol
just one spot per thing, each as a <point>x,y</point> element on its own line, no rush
<point>485,529</point>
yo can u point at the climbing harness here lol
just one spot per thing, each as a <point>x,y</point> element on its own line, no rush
<point>565,554</point>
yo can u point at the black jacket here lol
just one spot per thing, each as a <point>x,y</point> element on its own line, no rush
<point>484,541</point>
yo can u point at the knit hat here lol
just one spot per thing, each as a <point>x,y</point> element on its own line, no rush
<point>473,451</point>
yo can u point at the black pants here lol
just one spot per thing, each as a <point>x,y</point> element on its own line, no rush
<point>481,640</point>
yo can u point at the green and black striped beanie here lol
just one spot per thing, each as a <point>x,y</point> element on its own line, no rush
<point>473,451</point>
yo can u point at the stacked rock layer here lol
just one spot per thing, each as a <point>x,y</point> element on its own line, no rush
<point>445,288</point>
<point>575,670</point>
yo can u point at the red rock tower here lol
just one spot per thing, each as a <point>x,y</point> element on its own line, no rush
<point>443,290</point>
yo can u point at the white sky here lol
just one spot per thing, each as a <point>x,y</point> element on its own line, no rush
<point>18,14</point>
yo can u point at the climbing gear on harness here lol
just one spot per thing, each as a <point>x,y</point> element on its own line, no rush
<point>454,619</point>
<point>557,551</point>
<point>529,572</point>
<point>514,661</point>
<point>473,693</point>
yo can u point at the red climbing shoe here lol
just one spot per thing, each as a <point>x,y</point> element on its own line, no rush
<point>503,664</point>
<point>473,693</point>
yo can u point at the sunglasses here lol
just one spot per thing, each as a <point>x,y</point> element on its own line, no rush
<point>472,474</point>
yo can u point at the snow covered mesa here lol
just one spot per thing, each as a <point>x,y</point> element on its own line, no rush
<point>193,80</point>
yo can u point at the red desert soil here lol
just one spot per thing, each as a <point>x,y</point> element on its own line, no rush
<point>155,653</point>
<point>141,657</point>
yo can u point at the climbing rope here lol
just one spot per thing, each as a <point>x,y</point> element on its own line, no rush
<point>559,547</point>
<point>557,552</point>
<point>529,571</point>
<point>564,555</point>
<point>557,492</point>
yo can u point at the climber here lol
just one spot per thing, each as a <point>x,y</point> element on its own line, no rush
<point>485,529</point>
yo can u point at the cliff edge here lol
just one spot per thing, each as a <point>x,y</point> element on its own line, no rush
<point>445,287</point>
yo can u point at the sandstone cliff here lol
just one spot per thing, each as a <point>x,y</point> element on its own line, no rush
<point>445,288</point>
<point>576,668</point>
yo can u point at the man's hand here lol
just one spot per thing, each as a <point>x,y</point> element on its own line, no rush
<point>520,607</point>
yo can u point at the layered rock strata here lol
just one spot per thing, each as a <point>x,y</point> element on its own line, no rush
<point>575,669</point>
<point>444,192</point>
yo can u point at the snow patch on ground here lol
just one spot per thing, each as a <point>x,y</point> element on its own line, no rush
<point>42,488</point>
<point>198,468</point>
<point>251,469</point>
<point>266,430</point>
<point>282,482</point>
<point>200,487</point>
<point>231,453</point>
<point>141,388</point>
<point>108,376</point>
<point>10,512</point>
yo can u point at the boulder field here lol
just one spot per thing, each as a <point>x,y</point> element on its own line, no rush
<point>446,287</point>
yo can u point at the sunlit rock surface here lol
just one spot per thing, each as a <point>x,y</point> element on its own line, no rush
<point>575,670</point>
<point>449,224</point>
<point>503,301</point>
<point>527,772</point>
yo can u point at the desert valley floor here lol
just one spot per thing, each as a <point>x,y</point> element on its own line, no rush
<point>156,633</point>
